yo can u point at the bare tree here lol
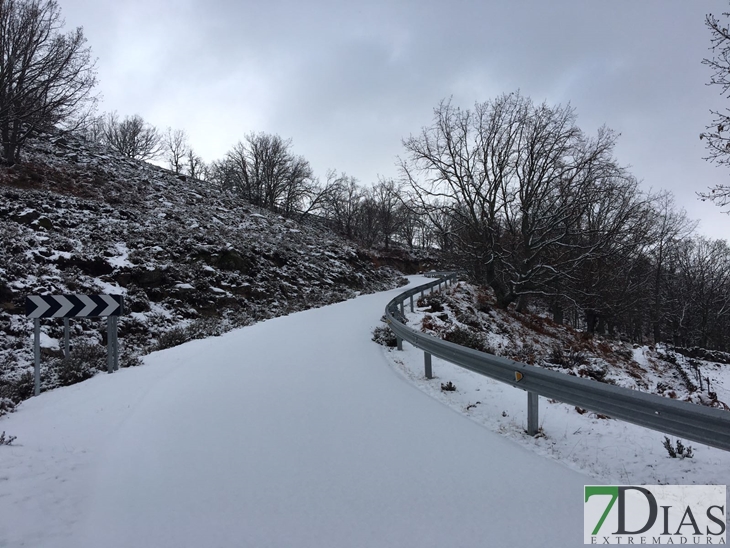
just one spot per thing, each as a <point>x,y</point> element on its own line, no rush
<point>387,198</point>
<point>132,137</point>
<point>700,271</point>
<point>263,170</point>
<point>46,77</point>
<point>93,130</point>
<point>175,143</point>
<point>343,204</point>
<point>669,227</point>
<point>717,133</point>
<point>196,167</point>
<point>516,180</point>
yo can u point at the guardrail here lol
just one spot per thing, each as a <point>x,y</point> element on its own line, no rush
<point>694,422</point>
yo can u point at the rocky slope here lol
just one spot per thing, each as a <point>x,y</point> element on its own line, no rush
<point>190,260</point>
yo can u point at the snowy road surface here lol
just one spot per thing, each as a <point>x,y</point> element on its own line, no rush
<point>292,432</point>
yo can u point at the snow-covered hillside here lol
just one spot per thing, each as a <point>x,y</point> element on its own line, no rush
<point>190,260</point>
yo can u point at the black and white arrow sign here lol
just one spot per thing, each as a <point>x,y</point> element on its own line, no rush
<point>73,306</point>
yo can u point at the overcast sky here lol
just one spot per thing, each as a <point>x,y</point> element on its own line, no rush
<point>347,81</point>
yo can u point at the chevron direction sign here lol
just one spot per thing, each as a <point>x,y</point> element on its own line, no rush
<point>73,306</point>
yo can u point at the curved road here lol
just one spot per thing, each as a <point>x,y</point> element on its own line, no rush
<point>296,432</point>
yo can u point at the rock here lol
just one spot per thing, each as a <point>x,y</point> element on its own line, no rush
<point>92,267</point>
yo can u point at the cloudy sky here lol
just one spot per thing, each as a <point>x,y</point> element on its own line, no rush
<point>347,81</point>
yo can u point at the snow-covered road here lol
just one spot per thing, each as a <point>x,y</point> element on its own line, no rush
<point>292,432</point>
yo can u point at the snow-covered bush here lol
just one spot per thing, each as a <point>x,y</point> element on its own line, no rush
<point>465,337</point>
<point>84,361</point>
<point>385,336</point>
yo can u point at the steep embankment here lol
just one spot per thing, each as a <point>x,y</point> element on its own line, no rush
<point>468,315</point>
<point>190,260</point>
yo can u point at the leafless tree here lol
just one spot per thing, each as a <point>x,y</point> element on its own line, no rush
<point>175,143</point>
<point>196,167</point>
<point>516,180</point>
<point>46,77</point>
<point>717,133</point>
<point>343,204</point>
<point>386,195</point>
<point>670,226</point>
<point>700,271</point>
<point>263,170</point>
<point>132,136</point>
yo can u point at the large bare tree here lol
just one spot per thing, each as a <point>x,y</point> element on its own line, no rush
<point>516,180</point>
<point>46,76</point>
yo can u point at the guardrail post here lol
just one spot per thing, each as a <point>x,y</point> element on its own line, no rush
<point>37,354</point>
<point>401,308</point>
<point>411,303</point>
<point>427,365</point>
<point>532,413</point>
<point>399,342</point>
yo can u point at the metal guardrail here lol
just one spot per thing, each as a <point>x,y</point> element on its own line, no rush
<point>690,421</point>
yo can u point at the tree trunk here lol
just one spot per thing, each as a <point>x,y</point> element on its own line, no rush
<point>591,321</point>
<point>557,311</point>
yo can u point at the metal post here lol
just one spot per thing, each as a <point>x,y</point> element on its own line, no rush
<point>411,303</point>
<point>115,321</point>
<point>399,342</point>
<point>532,414</point>
<point>37,353</point>
<point>109,344</point>
<point>66,347</point>
<point>427,365</point>
<point>401,309</point>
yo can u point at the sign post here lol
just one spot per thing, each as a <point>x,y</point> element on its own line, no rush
<point>75,306</point>
<point>37,353</point>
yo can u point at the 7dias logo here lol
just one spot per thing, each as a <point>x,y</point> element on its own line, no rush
<point>654,514</point>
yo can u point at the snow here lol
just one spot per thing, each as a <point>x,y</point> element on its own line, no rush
<point>46,341</point>
<point>108,288</point>
<point>122,260</point>
<point>291,432</point>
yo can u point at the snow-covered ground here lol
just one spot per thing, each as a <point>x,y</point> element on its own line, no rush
<point>291,432</point>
